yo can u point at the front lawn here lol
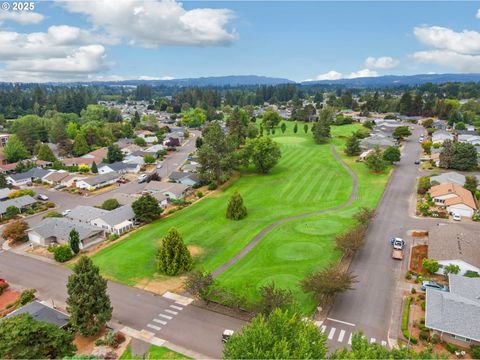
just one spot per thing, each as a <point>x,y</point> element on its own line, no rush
<point>154,353</point>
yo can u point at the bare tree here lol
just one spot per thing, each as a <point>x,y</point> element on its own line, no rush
<point>352,241</point>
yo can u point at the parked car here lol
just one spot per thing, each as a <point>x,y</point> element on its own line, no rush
<point>142,178</point>
<point>226,335</point>
<point>66,212</point>
<point>159,166</point>
<point>456,217</point>
<point>42,197</point>
<point>121,181</point>
<point>397,243</point>
<point>433,285</point>
<point>417,162</point>
<point>59,187</point>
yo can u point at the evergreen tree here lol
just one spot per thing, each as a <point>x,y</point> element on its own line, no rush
<point>446,156</point>
<point>45,153</point>
<point>305,128</point>
<point>146,208</point>
<point>295,128</point>
<point>321,132</point>
<point>88,302</point>
<point>198,142</point>
<point>283,127</point>
<point>94,168</point>
<point>236,210</point>
<point>114,154</point>
<point>352,146</point>
<point>374,160</point>
<point>464,157</point>
<point>74,241</point>
<point>471,184</point>
<point>80,146</point>
<point>173,257</point>
<point>237,125</point>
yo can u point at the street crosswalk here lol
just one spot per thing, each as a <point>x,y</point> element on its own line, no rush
<point>166,315</point>
<point>341,334</point>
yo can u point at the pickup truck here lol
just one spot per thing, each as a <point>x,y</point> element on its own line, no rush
<point>397,254</point>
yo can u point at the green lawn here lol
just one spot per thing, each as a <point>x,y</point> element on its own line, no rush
<point>154,353</point>
<point>308,178</point>
<point>290,251</point>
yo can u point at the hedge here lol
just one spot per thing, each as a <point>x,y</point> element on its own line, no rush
<point>405,332</point>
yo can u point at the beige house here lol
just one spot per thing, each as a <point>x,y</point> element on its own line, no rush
<point>454,198</point>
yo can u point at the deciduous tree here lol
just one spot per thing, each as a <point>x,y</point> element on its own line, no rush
<point>146,208</point>
<point>430,265</point>
<point>352,146</point>
<point>374,160</point>
<point>15,231</point>
<point>80,146</point>
<point>263,152</point>
<point>14,150</point>
<point>391,154</point>
<point>272,297</point>
<point>352,241</point>
<point>45,153</point>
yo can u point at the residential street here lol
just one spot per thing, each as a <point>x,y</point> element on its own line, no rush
<point>66,200</point>
<point>188,326</point>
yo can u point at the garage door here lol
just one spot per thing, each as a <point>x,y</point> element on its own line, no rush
<point>461,212</point>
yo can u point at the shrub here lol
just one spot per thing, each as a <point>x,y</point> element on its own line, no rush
<point>424,335</point>
<point>212,186</point>
<point>451,348</point>
<point>408,275</point>
<point>49,205</point>
<point>423,304</point>
<point>112,339</point>
<point>471,274</point>
<point>110,204</point>
<point>113,237</point>
<point>413,291</point>
<point>430,265</point>
<point>199,194</point>
<point>26,297</point>
<point>405,331</point>
<point>475,351</point>
<point>62,253</point>
<point>52,214</point>
<point>236,210</point>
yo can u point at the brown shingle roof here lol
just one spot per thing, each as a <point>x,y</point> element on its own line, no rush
<point>463,196</point>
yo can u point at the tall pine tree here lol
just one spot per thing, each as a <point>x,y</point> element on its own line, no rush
<point>88,302</point>
<point>74,241</point>
<point>236,210</point>
<point>352,146</point>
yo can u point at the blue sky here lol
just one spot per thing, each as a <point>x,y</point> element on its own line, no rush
<point>91,40</point>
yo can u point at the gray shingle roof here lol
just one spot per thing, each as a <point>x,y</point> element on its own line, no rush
<point>35,173</point>
<point>118,215</point>
<point>95,180</point>
<point>19,203</point>
<point>449,177</point>
<point>41,312</point>
<point>119,166</point>
<point>86,213</point>
<point>178,175</point>
<point>456,312</point>
<point>61,227</point>
<point>4,193</point>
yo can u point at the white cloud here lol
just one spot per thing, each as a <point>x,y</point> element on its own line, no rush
<point>21,17</point>
<point>156,22</point>
<point>478,14</point>
<point>362,73</point>
<point>384,62</point>
<point>449,59</point>
<point>465,42</point>
<point>331,75</point>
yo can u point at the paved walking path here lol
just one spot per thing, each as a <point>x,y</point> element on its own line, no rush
<point>266,230</point>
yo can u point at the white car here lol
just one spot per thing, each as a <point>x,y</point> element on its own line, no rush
<point>42,197</point>
<point>457,217</point>
<point>66,212</point>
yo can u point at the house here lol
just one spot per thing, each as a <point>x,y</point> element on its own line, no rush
<point>438,137</point>
<point>71,180</point>
<point>95,156</point>
<point>115,221</point>
<point>21,203</point>
<point>452,244</point>
<point>8,168</point>
<point>449,177</point>
<point>455,315</point>
<point>439,125</point>
<point>27,177</point>
<point>170,190</point>
<point>376,140</point>
<point>185,178</point>
<point>162,199</point>
<point>56,177</point>
<point>454,198</point>
<point>469,139</point>
<point>134,159</point>
<point>4,193</point>
<point>129,149</point>
<point>191,167</point>
<point>119,167</point>
<point>97,182</point>
<point>154,149</point>
<point>57,231</point>
<point>42,312</point>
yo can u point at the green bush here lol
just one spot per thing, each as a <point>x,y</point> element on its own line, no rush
<point>471,274</point>
<point>113,237</point>
<point>49,205</point>
<point>26,297</point>
<point>423,335</point>
<point>212,186</point>
<point>408,275</point>
<point>405,331</point>
<point>423,304</point>
<point>413,291</point>
<point>199,194</point>
<point>451,348</point>
<point>475,351</point>
<point>62,253</point>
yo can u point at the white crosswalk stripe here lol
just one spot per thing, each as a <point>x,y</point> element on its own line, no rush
<point>341,335</point>
<point>323,328</point>
<point>160,321</point>
<point>165,316</point>
<point>176,307</point>
<point>331,333</point>
<point>154,327</point>
<point>171,312</point>
<point>373,340</point>
<point>350,340</point>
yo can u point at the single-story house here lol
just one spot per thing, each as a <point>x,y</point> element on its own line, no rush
<point>170,190</point>
<point>116,221</point>
<point>4,193</point>
<point>42,312</point>
<point>449,177</point>
<point>454,198</point>
<point>99,181</point>
<point>154,149</point>
<point>134,159</point>
<point>27,177</point>
<point>129,149</point>
<point>191,167</point>
<point>9,168</point>
<point>162,199</point>
<point>376,140</point>
<point>57,230</point>
<point>453,244</point>
<point>439,125</point>
<point>438,137</point>
<point>455,315</point>
<point>71,179</point>
<point>95,156</point>
<point>119,167</point>
<point>21,203</point>
<point>469,139</point>
<point>185,178</point>
<point>56,177</point>
<point>85,214</point>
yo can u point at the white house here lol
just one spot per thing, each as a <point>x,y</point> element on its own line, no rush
<point>22,179</point>
<point>438,137</point>
<point>469,139</point>
<point>119,167</point>
<point>97,182</point>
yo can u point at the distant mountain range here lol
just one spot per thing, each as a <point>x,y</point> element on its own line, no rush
<point>253,80</point>
<point>398,80</point>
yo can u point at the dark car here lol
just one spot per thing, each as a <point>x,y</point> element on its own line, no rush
<point>417,162</point>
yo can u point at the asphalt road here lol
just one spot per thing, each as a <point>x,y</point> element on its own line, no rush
<point>188,326</point>
<point>65,200</point>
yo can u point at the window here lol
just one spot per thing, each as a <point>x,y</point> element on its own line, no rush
<point>461,338</point>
